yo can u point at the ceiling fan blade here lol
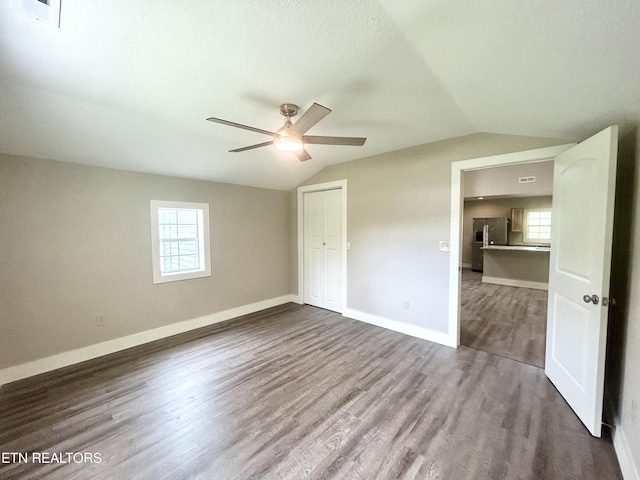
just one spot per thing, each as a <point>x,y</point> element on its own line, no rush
<point>302,155</point>
<point>313,115</point>
<point>251,147</point>
<point>315,140</point>
<point>239,125</point>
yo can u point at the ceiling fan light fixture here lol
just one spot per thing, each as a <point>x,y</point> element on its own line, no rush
<point>292,136</point>
<point>288,143</point>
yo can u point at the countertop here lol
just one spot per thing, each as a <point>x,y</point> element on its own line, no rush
<point>521,248</point>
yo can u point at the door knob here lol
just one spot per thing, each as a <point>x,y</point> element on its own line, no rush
<point>591,298</point>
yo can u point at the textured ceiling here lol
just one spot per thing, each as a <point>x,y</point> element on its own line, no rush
<point>129,84</point>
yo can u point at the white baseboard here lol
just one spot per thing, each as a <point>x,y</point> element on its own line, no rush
<point>407,329</point>
<point>515,283</point>
<point>64,359</point>
<point>466,265</point>
<point>628,464</point>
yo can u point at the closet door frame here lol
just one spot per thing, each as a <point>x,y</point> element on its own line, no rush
<point>339,184</point>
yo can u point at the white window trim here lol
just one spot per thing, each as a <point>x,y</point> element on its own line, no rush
<point>155,242</point>
<point>525,230</point>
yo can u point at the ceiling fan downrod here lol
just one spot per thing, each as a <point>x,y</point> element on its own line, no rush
<point>288,110</point>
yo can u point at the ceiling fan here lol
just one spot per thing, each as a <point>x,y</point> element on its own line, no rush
<point>291,136</point>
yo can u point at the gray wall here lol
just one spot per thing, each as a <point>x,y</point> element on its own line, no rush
<point>630,398</point>
<point>622,381</point>
<point>398,210</point>
<point>504,180</point>
<point>76,243</point>
<point>491,207</point>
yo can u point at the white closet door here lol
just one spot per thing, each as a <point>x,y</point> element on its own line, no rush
<point>323,249</point>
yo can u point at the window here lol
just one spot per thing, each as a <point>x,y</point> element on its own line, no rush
<point>180,240</point>
<point>537,227</point>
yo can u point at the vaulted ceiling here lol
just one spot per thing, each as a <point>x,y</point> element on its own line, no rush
<point>129,84</point>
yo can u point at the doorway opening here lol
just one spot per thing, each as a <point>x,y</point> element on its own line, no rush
<point>507,213</point>
<point>458,170</point>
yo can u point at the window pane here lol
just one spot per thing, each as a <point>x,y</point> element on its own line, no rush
<point>168,232</point>
<point>166,215</point>
<point>188,231</point>
<point>165,264</point>
<point>175,264</point>
<point>168,248</point>
<point>188,248</point>
<point>188,216</point>
<point>177,230</point>
<point>538,226</point>
<point>188,262</point>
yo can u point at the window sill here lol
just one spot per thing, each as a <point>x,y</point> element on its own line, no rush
<point>176,277</point>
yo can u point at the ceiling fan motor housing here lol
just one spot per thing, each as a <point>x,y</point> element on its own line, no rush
<point>289,110</point>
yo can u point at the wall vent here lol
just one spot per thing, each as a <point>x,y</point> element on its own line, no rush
<point>531,179</point>
<point>45,11</point>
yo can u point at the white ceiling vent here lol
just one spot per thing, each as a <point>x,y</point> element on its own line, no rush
<point>531,179</point>
<point>45,11</point>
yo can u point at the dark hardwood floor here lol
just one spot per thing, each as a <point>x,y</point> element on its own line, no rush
<point>506,321</point>
<point>299,392</point>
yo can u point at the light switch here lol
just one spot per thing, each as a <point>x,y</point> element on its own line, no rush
<point>348,245</point>
<point>445,246</point>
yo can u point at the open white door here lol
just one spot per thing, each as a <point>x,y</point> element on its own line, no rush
<point>580,266</point>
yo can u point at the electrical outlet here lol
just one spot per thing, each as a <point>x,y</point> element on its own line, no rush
<point>405,304</point>
<point>100,321</point>
<point>255,289</point>
<point>444,246</point>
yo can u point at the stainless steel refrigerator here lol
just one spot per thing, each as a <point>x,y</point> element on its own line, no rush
<point>486,231</point>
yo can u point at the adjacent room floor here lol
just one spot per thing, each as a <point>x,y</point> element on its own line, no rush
<point>299,392</point>
<point>506,321</point>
